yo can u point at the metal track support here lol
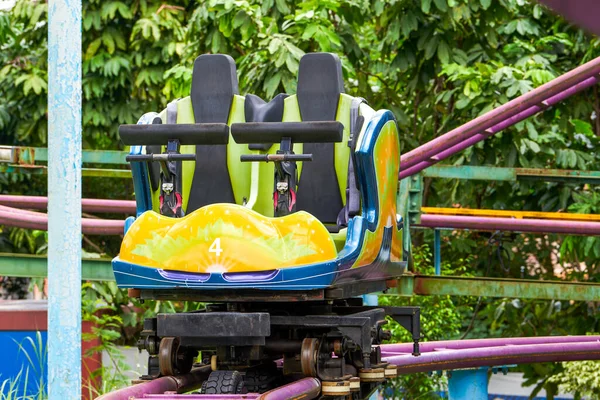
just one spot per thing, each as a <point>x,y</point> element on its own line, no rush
<point>64,199</point>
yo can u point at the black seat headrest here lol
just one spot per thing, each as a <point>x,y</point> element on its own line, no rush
<point>258,110</point>
<point>214,82</point>
<point>320,82</point>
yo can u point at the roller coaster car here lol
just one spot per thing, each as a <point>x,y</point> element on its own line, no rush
<point>279,238</point>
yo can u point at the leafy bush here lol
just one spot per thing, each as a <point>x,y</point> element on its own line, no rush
<point>580,378</point>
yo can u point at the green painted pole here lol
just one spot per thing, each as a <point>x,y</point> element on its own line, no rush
<point>437,251</point>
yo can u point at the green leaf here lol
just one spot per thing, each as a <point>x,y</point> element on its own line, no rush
<point>510,27</point>
<point>35,83</point>
<point>274,45</point>
<point>310,30</point>
<point>109,42</point>
<point>240,18</point>
<point>441,5</point>
<point>39,10</point>
<point>409,23</point>
<point>582,127</point>
<point>93,48</point>
<point>333,37</point>
<point>281,58</point>
<point>217,40</point>
<point>533,146</point>
<point>323,40</point>
<point>271,84</point>
<point>565,194</point>
<point>485,4</point>
<point>124,10</point>
<point>109,8</point>
<point>147,27</point>
<point>443,52</point>
<point>431,47</point>
<point>531,131</point>
<point>462,102</point>
<point>459,56</point>
<point>291,64</point>
<point>425,6</point>
<point>282,7</point>
<point>295,51</point>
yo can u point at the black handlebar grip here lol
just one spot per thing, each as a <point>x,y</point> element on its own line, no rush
<point>160,157</point>
<point>186,134</point>
<point>275,157</point>
<point>299,132</point>
<point>253,157</point>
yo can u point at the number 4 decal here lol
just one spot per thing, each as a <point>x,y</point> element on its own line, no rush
<point>215,247</point>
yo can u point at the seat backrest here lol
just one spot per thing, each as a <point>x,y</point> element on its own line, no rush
<point>217,176</point>
<point>320,84</point>
<point>214,83</point>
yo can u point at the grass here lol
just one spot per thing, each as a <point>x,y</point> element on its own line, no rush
<point>36,353</point>
<point>15,388</point>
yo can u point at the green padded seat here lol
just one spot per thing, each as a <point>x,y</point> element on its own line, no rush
<point>323,181</point>
<point>217,176</point>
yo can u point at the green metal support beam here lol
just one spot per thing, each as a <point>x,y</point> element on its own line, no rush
<point>496,287</point>
<point>43,170</point>
<point>470,173</point>
<point>511,174</point>
<point>101,270</point>
<point>23,265</point>
<point>29,155</point>
<point>23,159</point>
<point>558,175</point>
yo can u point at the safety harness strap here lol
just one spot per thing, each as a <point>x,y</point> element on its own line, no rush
<point>352,206</point>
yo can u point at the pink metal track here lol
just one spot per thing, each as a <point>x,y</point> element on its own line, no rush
<point>435,356</point>
<point>305,389</point>
<point>460,354</point>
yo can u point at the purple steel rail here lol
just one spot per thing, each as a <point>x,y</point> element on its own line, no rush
<point>169,396</point>
<point>497,355</point>
<point>87,205</point>
<point>407,348</point>
<point>510,224</point>
<point>34,220</point>
<point>307,388</point>
<point>408,169</point>
<point>482,124</point>
<point>435,356</point>
<point>182,383</point>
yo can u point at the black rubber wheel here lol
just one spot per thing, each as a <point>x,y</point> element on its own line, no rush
<point>261,379</point>
<point>223,382</point>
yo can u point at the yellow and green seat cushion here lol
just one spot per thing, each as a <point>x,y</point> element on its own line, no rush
<point>226,238</point>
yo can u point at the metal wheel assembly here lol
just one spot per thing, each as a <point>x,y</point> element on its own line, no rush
<point>309,355</point>
<point>339,388</point>
<point>372,375</point>
<point>172,360</point>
